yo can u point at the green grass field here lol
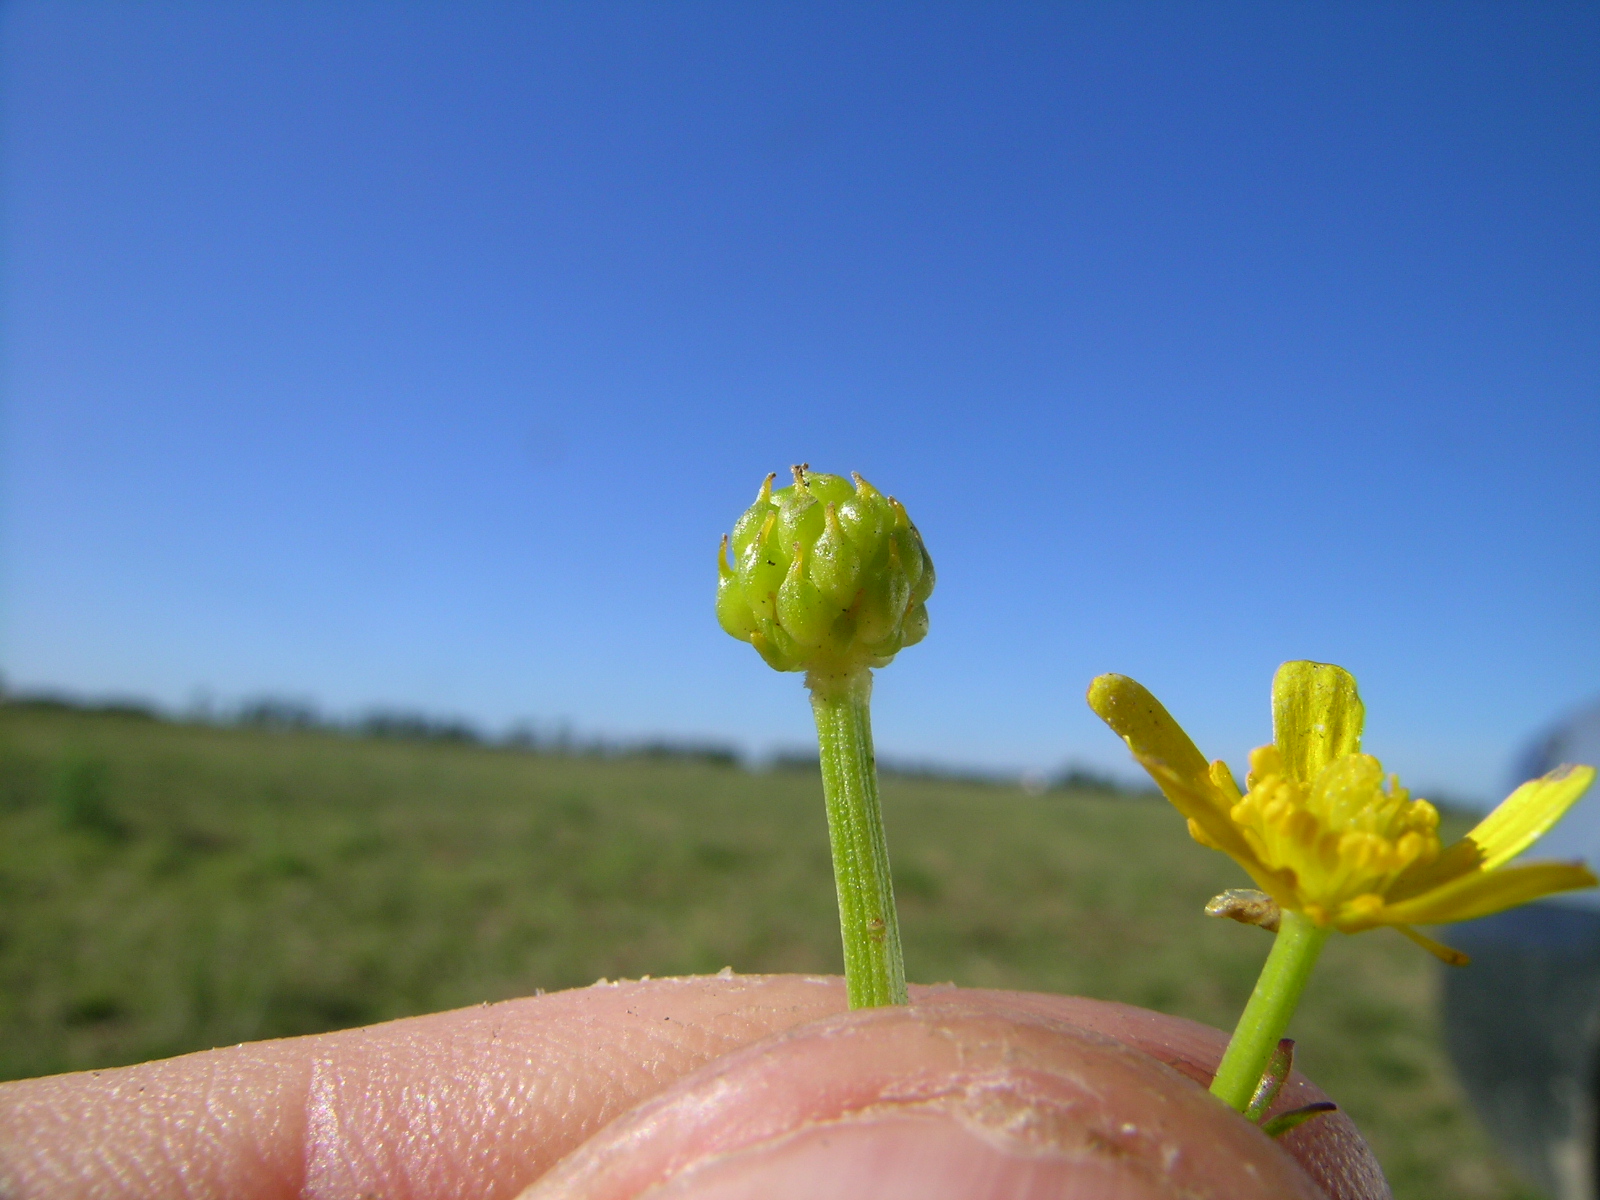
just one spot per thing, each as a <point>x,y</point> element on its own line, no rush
<point>165,888</point>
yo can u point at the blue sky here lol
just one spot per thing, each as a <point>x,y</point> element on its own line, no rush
<point>418,354</point>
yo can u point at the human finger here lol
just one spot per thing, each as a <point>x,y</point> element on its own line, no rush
<point>1330,1148</point>
<point>473,1102</point>
<point>482,1099</point>
<point>940,1101</point>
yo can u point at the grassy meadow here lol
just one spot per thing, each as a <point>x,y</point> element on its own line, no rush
<point>166,887</point>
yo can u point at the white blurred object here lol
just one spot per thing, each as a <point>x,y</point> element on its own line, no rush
<point>1522,1022</point>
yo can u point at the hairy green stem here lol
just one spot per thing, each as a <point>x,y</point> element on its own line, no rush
<point>874,971</point>
<point>1266,1016</point>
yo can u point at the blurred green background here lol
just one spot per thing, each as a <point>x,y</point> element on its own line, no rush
<point>169,887</point>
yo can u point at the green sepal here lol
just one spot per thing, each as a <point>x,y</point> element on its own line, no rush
<point>1272,1080</point>
<point>1296,1117</point>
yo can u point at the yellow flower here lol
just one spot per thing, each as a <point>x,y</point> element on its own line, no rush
<point>1323,832</point>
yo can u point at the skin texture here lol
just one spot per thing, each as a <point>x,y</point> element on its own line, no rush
<point>484,1101</point>
<point>946,1101</point>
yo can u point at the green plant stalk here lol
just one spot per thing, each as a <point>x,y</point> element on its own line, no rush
<point>874,969</point>
<point>1266,1016</point>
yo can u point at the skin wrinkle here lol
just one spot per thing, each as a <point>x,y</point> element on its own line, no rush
<point>874,1117</point>
<point>1032,1120</point>
<point>1018,1119</point>
<point>1010,1110</point>
<point>483,1099</point>
<point>930,1162</point>
<point>954,1092</point>
<point>212,1131</point>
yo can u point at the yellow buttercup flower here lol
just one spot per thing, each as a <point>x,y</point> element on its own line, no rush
<point>1325,833</point>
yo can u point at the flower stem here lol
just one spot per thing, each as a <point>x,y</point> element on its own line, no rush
<point>874,971</point>
<point>1266,1016</point>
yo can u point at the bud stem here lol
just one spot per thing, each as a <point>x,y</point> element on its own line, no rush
<point>874,970</point>
<point>1266,1016</point>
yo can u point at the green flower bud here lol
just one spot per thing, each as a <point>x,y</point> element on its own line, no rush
<point>824,576</point>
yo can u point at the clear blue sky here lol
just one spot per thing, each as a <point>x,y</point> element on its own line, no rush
<point>418,355</point>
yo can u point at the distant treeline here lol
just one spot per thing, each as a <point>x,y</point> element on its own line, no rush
<point>1072,778</point>
<point>291,715</point>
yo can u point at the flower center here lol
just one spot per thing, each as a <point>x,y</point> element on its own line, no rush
<point>1346,836</point>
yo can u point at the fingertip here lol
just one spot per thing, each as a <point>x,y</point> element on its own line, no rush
<point>930,1101</point>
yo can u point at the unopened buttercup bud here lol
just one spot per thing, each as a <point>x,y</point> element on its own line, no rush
<point>825,576</point>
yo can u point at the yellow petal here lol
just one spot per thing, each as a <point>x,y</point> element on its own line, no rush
<point>1316,716</point>
<point>1460,858</point>
<point>1222,779</point>
<point>1139,719</point>
<point>1482,893</point>
<point>1527,814</point>
<point>1200,805</point>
